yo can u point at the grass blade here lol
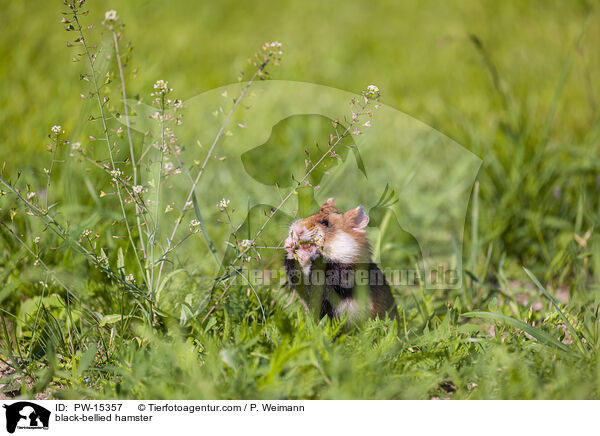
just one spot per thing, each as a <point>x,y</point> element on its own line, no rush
<point>560,312</point>
<point>540,335</point>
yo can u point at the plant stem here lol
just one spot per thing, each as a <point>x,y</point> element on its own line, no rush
<point>53,225</point>
<point>51,168</point>
<point>105,127</point>
<point>130,140</point>
<point>206,159</point>
<point>69,292</point>
<point>157,181</point>
<point>284,200</point>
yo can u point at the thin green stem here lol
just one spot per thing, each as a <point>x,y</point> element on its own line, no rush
<point>157,183</point>
<point>57,229</point>
<point>138,210</point>
<point>106,135</point>
<point>287,197</point>
<point>206,159</point>
<point>51,168</point>
<point>70,293</point>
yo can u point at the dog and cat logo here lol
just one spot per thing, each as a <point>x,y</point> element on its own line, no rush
<point>26,415</point>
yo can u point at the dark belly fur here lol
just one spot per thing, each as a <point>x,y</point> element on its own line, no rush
<point>329,282</point>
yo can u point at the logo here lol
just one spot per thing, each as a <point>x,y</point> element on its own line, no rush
<point>26,415</point>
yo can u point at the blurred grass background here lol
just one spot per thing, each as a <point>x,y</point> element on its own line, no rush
<point>514,82</point>
<point>418,52</point>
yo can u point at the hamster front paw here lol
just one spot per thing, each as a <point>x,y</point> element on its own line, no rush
<point>290,248</point>
<point>305,255</point>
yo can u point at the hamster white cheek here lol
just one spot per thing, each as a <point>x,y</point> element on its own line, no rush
<point>341,247</point>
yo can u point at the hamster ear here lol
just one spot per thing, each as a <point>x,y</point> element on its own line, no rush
<point>329,206</point>
<point>329,203</point>
<point>357,218</point>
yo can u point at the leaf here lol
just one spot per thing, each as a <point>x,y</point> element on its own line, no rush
<point>540,335</point>
<point>87,358</point>
<point>185,315</point>
<point>31,306</point>
<point>104,258</point>
<point>111,319</point>
<point>121,261</point>
<point>468,328</point>
<point>560,312</point>
<point>7,289</point>
<point>165,280</point>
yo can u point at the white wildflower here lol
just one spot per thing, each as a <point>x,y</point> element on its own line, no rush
<point>130,278</point>
<point>162,87</point>
<point>372,91</point>
<point>367,124</point>
<point>116,174</point>
<point>169,208</point>
<point>76,146</point>
<point>86,233</point>
<point>223,204</point>
<point>273,47</point>
<point>30,195</point>
<point>356,132</point>
<point>246,243</point>
<point>57,130</point>
<point>36,240</point>
<point>111,16</point>
<point>194,226</point>
<point>137,189</point>
<point>169,166</point>
<point>177,104</point>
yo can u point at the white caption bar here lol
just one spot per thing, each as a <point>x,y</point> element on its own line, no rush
<point>295,417</point>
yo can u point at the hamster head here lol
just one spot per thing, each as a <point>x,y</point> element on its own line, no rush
<point>338,237</point>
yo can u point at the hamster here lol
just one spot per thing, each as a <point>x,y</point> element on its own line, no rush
<point>328,262</point>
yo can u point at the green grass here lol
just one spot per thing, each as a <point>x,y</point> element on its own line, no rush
<point>513,82</point>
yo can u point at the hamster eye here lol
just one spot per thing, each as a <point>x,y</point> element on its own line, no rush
<point>325,223</point>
